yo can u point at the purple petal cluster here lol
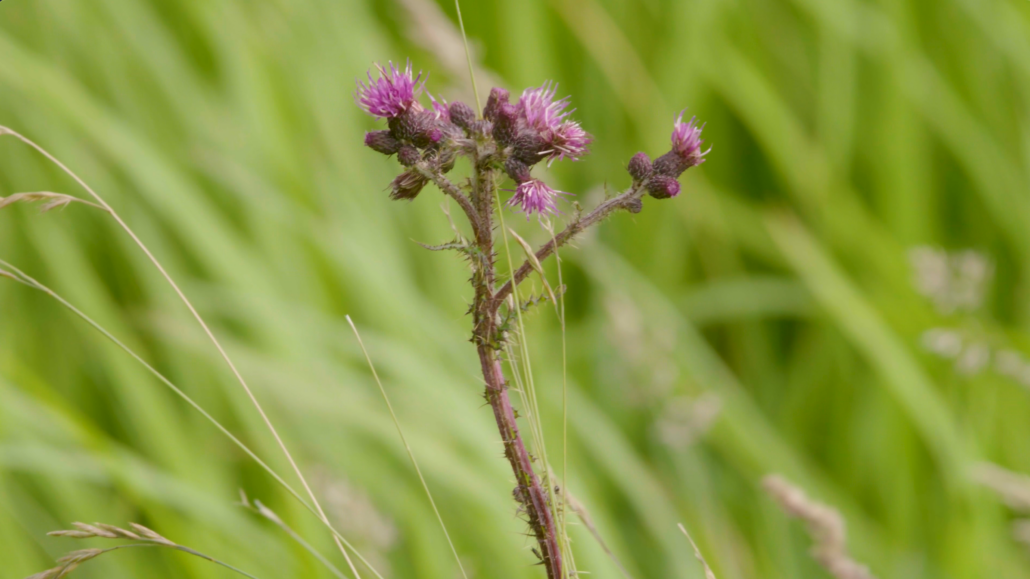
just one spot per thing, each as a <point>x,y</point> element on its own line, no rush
<point>539,109</point>
<point>513,137</point>
<point>393,93</point>
<point>568,141</point>
<point>535,196</point>
<point>540,112</point>
<point>686,140</point>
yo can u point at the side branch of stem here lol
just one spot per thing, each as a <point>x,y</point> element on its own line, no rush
<point>623,201</point>
<point>453,191</point>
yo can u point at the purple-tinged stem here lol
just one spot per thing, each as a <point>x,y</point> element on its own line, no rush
<point>623,201</point>
<point>529,491</point>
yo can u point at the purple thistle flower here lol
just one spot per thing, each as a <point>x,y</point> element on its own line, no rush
<point>394,92</point>
<point>539,109</point>
<point>540,112</point>
<point>569,140</point>
<point>535,196</point>
<point>686,140</point>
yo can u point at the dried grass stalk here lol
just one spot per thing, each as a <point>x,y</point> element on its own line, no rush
<point>52,200</point>
<point>825,525</point>
<point>139,535</point>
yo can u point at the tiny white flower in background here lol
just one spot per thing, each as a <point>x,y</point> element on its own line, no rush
<point>973,359</point>
<point>942,342</point>
<point>931,271</point>
<point>1009,363</point>
<point>953,282</point>
<point>684,421</point>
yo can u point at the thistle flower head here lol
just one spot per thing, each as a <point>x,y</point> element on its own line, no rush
<point>569,141</point>
<point>686,140</point>
<point>539,109</point>
<point>394,92</point>
<point>498,96</point>
<point>539,112</point>
<point>462,115</point>
<point>535,196</point>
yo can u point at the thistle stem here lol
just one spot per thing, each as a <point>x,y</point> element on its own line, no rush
<point>529,491</point>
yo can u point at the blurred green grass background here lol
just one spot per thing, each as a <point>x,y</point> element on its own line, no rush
<point>844,132</point>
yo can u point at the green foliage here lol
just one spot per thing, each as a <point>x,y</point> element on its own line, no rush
<point>844,133</point>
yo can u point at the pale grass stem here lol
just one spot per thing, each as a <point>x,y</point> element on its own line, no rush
<point>560,311</point>
<point>200,320</point>
<point>21,277</point>
<point>407,447</point>
<point>468,56</point>
<point>709,574</point>
<point>570,501</point>
<point>257,507</point>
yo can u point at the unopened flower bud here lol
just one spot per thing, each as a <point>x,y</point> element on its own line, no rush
<point>663,187</point>
<point>506,124</point>
<point>408,155</point>
<point>640,167</point>
<point>498,97</point>
<point>462,115</point>
<point>517,170</point>
<point>670,165</point>
<point>407,185</point>
<point>411,126</point>
<point>382,142</point>
<point>528,148</point>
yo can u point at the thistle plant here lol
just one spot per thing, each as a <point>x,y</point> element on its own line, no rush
<point>506,140</point>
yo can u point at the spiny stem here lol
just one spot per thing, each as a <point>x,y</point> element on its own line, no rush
<point>203,324</point>
<point>530,491</point>
<point>533,406</point>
